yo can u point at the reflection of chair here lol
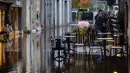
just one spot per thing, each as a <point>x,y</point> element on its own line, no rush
<point>58,48</point>
<point>59,56</point>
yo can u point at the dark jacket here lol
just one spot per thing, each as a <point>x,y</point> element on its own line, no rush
<point>99,22</point>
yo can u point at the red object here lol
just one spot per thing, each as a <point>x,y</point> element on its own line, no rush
<point>84,1</point>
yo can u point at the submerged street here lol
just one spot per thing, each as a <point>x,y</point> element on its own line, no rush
<point>26,54</point>
<point>64,36</point>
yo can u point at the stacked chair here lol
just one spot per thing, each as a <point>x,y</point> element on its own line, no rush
<point>115,33</point>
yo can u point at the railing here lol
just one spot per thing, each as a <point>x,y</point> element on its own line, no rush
<point>82,38</point>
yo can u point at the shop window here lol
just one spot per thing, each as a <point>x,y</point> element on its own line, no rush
<point>14,18</point>
<point>2,16</point>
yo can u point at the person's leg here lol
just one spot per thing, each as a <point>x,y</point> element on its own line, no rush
<point>98,30</point>
<point>99,35</point>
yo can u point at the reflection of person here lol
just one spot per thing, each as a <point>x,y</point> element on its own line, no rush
<point>8,29</point>
<point>37,25</point>
<point>37,15</point>
<point>8,46</point>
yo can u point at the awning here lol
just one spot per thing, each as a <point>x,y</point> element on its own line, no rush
<point>8,1</point>
<point>2,6</point>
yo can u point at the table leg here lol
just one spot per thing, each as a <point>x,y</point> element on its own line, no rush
<point>104,47</point>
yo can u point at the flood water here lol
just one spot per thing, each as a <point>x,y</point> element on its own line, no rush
<point>30,54</point>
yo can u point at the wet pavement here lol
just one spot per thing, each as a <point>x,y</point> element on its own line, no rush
<point>29,54</point>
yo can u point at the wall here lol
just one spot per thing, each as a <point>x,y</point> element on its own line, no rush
<point>3,6</point>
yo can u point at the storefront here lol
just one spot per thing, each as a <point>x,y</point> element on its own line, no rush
<point>5,12</point>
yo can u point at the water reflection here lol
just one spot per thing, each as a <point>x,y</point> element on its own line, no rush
<point>9,55</point>
<point>30,54</point>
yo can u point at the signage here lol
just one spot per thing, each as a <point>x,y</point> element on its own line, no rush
<point>18,3</point>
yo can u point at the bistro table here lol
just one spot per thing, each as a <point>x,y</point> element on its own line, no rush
<point>104,43</point>
<point>68,41</point>
<point>116,47</point>
<point>104,39</point>
<point>69,36</point>
<point>110,40</point>
<point>105,33</point>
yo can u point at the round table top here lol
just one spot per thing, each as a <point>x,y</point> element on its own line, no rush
<point>104,33</point>
<point>104,38</point>
<point>79,44</point>
<point>116,47</point>
<point>69,36</point>
<point>118,34</point>
<point>110,40</point>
